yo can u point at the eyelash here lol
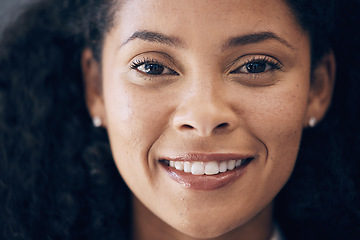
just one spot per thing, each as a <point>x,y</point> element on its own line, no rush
<point>273,64</point>
<point>137,63</point>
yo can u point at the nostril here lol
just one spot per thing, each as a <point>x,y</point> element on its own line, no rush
<point>187,126</point>
<point>219,127</point>
<point>222,125</point>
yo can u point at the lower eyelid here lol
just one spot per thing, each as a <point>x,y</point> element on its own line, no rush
<point>255,80</point>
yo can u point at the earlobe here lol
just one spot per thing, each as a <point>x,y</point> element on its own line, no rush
<point>92,86</point>
<point>321,89</point>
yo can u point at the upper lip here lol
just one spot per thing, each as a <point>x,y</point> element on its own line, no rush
<point>209,157</point>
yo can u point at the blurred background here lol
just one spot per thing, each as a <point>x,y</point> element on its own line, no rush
<point>9,9</point>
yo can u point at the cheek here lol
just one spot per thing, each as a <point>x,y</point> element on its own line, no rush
<point>276,120</point>
<point>135,114</point>
<point>279,116</point>
<point>135,120</point>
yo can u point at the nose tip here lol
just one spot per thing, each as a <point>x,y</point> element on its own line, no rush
<point>205,118</point>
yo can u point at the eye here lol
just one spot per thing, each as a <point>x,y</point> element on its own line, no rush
<point>152,68</point>
<point>256,66</point>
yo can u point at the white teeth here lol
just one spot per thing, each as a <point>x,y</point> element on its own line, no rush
<point>207,168</point>
<point>197,168</point>
<point>187,167</point>
<point>179,165</point>
<point>231,164</point>
<point>223,166</point>
<point>211,168</point>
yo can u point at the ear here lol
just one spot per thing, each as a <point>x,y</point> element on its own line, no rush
<point>321,89</point>
<point>92,83</point>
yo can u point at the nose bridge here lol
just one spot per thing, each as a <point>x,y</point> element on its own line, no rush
<point>208,96</point>
<point>204,110</point>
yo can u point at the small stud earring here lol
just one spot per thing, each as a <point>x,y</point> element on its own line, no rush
<point>312,121</point>
<point>97,121</point>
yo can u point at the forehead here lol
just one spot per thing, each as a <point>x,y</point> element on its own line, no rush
<point>200,24</point>
<point>176,16</point>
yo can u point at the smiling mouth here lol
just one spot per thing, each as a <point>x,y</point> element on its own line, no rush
<point>206,168</point>
<point>206,172</point>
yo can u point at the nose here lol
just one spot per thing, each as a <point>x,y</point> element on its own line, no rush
<point>205,113</point>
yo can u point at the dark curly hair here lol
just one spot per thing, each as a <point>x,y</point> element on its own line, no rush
<point>57,176</point>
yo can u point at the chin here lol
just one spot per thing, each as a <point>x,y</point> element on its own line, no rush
<point>212,224</point>
<point>207,227</point>
<point>205,232</point>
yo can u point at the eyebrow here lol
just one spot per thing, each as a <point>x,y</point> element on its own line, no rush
<point>232,42</point>
<point>154,37</point>
<point>254,38</point>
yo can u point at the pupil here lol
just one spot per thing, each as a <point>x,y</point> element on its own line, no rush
<point>154,68</point>
<point>256,67</point>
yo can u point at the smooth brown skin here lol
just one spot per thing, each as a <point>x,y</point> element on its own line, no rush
<point>264,114</point>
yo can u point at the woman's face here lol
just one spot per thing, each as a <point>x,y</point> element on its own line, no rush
<point>196,85</point>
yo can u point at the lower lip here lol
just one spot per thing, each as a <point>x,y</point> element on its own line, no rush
<point>205,182</point>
